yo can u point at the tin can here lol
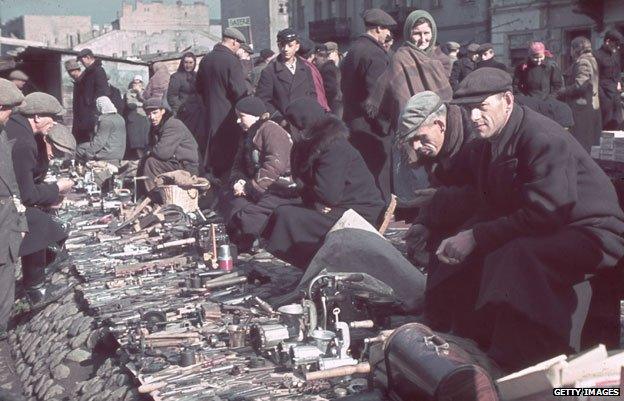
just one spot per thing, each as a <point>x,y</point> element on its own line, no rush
<point>224,258</point>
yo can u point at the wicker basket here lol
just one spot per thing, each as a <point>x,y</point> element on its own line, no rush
<point>187,199</point>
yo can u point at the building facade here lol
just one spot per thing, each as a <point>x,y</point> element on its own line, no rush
<point>153,17</point>
<point>62,31</point>
<point>258,20</point>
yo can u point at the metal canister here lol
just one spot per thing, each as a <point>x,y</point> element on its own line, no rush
<point>224,258</point>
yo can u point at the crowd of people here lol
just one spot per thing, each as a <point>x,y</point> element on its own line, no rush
<point>508,209</point>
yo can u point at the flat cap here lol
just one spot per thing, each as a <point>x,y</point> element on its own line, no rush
<point>266,53</point>
<point>473,48</point>
<point>485,47</point>
<point>377,17</point>
<point>331,46</point>
<point>154,103</point>
<point>416,111</point>
<point>247,48</point>
<point>71,65</point>
<point>251,105</point>
<point>41,103</point>
<point>61,138</point>
<point>234,34</point>
<point>84,53</point>
<point>480,84</point>
<point>287,35</point>
<point>452,45</point>
<point>10,96</point>
<point>18,75</point>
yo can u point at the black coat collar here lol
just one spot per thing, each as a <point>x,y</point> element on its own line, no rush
<point>366,36</point>
<point>283,73</point>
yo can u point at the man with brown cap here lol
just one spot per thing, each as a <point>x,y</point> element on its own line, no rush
<point>609,71</point>
<point>93,84</point>
<point>546,217</point>
<point>35,117</point>
<point>221,83</point>
<point>361,69</point>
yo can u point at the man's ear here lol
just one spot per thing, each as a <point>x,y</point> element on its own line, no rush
<point>440,123</point>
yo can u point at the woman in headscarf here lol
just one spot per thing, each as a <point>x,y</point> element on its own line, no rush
<point>109,140</point>
<point>332,178</point>
<point>137,124</point>
<point>158,83</point>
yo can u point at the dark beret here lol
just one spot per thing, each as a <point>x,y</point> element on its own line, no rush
<point>266,53</point>
<point>480,84</point>
<point>251,105</point>
<point>485,47</point>
<point>287,35</point>
<point>84,53</point>
<point>377,17</point>
<point>235,34</point>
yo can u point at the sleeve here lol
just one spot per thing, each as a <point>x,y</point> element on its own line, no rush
<point>330,177</point>
<point>173,93</point>
<point>24,161</point>
<point>330,81</point>
<point>548,195</point>
<point>556,80</point>
<point>237,85</point>
<point>582,81</point>
<point>264,90</point>
<point>275,147</point>
<point>168,143</point>
<point>374,67</point>
<point>449,208</point>
<point>455,71</point>
<point>89,150</point>
<point>101,83</point>
<point>518,86</point>
<point>199,80</point>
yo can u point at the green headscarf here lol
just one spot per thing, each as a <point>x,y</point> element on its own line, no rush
<point>409,24</point>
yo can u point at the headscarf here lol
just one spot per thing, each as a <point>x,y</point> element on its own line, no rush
<point>181,65</point>
<point>104,105</point>
<point>409,24</point>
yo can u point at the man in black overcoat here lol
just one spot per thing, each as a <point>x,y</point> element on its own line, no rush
<point>93,84</point>
<point>547,216</point>
<point>464,65</point>
<point>609,72</point>
<point>361,69</point>
<point>221,83</point>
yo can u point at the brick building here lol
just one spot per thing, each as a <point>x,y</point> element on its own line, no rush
<point>62,31</point>
<point>153,17</point>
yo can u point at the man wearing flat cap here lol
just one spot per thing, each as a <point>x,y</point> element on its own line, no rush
<point>286,78</point>
<point>466,64</point>
<point>221,83</point>
<point>361,69</point>
<point>486,57</point>
<point>27,128</point>
<point>546,216</point>
<point>93,84</point>
<point>609,71</point>
<point>20,79</point>
<point>244,55</point>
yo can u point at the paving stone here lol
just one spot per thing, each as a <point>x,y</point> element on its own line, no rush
<point>93,387</point>
<point>86,324</point>
<point>40,382</point>
<point>44,349</point>
<point>80,339</point>
<point>74,326</point>
<point>28,390</point>
<point>122,379</point>
<point>58,358</point>
<point>53,391</point>
<point>61,372</point>
<point>118,394</point>
<point>78,355</point>
<point>94,339</point>
<point>25,375</point>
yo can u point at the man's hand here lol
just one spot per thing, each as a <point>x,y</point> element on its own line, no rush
<point>455,249</point>
<point>239,188</point>
<point>64,185</point>
<point>424,196</point>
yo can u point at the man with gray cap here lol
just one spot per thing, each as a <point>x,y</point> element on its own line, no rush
<point>13,223</point>
<point>35,118</point>
<point>360,70</point>
<point>466,63</point>
<point>19,78</point>
<point>109,139</point>
<point>221,83</point>
<point>546,217</point>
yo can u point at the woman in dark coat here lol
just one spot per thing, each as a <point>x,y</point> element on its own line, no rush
<point>263,156</point>
<point>332,178</point>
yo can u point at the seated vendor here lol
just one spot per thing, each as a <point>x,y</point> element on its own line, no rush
<point>263,156</point>
<point>172,146</point>
<point>332,178</point>
<point>109,140</point>
<point>547,216</point>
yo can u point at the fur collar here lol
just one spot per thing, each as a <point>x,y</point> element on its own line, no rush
<point>316,140</point>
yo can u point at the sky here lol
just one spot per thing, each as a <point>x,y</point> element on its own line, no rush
<point>101,11</point>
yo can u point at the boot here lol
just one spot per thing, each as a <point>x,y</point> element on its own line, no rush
<point>41,295</point>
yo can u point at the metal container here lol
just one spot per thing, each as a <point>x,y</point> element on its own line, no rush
<point>224,258</point>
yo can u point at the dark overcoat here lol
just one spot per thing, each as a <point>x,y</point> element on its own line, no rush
<point>92,84</point>
<point>220,83</point>
<point>331,81</point>
<point>547,217</point>
<point>609,71</point>
<point>334,178</point>
<point>181,87</point>
<point>538,81</point>
<point>30,164</point>
<point>461,69</point>
<point>491,63</point>
<point>278,87</point>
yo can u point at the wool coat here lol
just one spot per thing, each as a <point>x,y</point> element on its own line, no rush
<point>181,88</point>
<point>334,178</point>
<point>92,84</point>
<point>540,81</point>
<point>331,82</point>
<point>609,71</point>
<point>461,69</point>
<point>158,83</point>
<point>108,142</point>
<point>137,124</point>
<point>171,140</point>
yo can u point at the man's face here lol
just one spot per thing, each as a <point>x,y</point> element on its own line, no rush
<point>421,35</point>
<point>382,34</point>
<point>388,45</point>
<point>488,54</point>
<point>43,124</point>
<point>289,49</point>
<point>473,56</point>
<point>429,139</point>
<point>245,120</point>
<point>19,83</point>
<point>189,64</point>
<point>74,74</point>
<point>155,116</point>
<point>5,113</point>
<point>137,85</point>
<point>612,45</point>
<point>490,116</point>
<point>87,61</point>
<point>538,58</point>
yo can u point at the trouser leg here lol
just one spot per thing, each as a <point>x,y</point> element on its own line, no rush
<point>152,168</point>
<point>33,268</point>
<point>7,293</point>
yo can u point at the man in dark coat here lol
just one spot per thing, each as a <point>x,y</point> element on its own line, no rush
<point>539,76</point>
<point>73,70</point>
<point>332,178</point>
<point>172,146</point>
<point>266,56</point>
<point>609,71</point>
<point>286,78</point>
<point>361,69</point>
<point>331,79</point>
<point>486,57</point>
<point>30,163</point>
<point>221,83</point>
<point>547,216</point>
<point>464,65</point>
<point>93,84</point>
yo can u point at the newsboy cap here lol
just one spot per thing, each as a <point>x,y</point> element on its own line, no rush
<point>10,96</point>
<point>452,45</point>
<point>235,34</point>
<point>266,53</point>
<point>18,75</point>
<point>331,46</point>
<point>415,112</point>
<point>473,48</point>
<point>287,35</point>
<point>71,65</point>
<point>84,53</point>
<point>485,47</point>
<point>480,84</point>
<point>377,17</point>
<point>41,103</point>
<point>247,48</point>
<point>154,103</point>
<point>61,138</point>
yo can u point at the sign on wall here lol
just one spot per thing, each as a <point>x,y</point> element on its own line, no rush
<point>239,22</point>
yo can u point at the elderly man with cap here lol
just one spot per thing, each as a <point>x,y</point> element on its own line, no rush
<point>609,70</point>
<point>486,57</point>
<point>546,217</point>
<point>361,69</point>
<point>172,144</point>
<point>221,83</point>
<point>109,139</point>
<point>330,74</point>
<point>466,64</point>
<point>27,127</point>
<point>287,77</point>
<point>19,78</point>
<point>539,76</point>
<point>93,84</point>
<point>452,50</point>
